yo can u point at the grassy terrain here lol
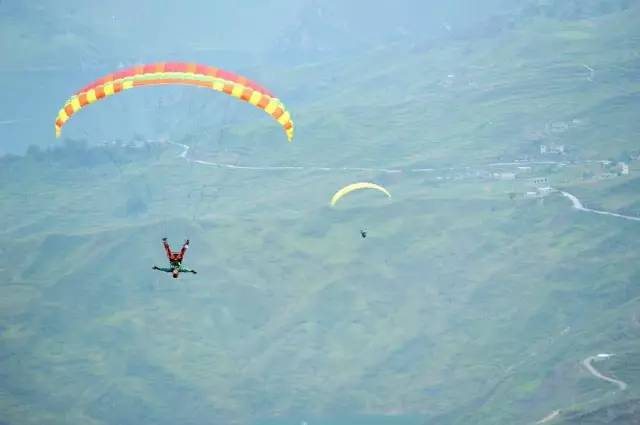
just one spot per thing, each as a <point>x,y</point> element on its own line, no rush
<point>461,306</point>
<point>291,306</point>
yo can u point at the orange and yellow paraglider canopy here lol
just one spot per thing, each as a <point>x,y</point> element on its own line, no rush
<point>178,73</point>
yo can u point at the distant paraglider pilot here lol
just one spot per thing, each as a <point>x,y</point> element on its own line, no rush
<point>175,260</point>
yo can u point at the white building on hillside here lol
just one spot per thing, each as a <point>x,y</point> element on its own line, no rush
<point>539,181</point>
<point>504,176</point>
<point>624,168</point>
<point>552,149</point>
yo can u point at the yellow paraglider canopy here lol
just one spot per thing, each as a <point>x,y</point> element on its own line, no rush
<point>357,186</point>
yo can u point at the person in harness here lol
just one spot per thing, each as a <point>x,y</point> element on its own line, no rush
<point>175,260</point>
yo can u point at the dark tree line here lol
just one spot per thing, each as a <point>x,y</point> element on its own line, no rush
<point>78,153</point>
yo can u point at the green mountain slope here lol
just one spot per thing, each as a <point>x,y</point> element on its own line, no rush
<point>461,306</point>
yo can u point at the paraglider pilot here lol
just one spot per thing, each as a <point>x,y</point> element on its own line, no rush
<point>175,260</point>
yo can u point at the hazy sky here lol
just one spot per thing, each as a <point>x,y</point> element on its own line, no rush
<point>83,31</point>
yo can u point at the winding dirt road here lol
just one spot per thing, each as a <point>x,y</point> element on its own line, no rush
<point>551,416</point>
<point>587,364</point>
<point>577,204</point>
